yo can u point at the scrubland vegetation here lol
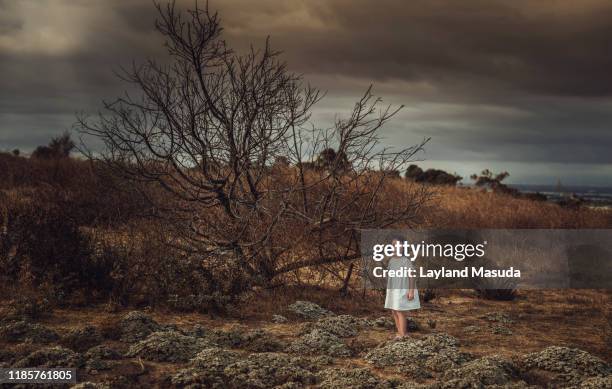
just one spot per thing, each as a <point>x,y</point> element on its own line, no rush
<point>214,242</point>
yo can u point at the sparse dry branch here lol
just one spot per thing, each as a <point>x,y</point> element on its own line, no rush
<point>210,127</point>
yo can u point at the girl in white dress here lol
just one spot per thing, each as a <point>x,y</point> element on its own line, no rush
<point>402,294</point>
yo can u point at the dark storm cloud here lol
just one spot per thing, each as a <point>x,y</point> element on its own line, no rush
<point>489,81</point>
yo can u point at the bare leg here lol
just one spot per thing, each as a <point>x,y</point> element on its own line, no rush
<point>403,325</point>
<point>396,320</point>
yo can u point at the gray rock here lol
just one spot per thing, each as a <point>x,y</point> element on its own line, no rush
<point>339,378</point>
<point>309,310</point>
<point>501,330</point>
<point>102,352</point>
<point>98,358</point>
<point>419,357</point>
<point>256,340</point>
<point>320,342</point>
<point>279,319</point>
<point>498,317</point>
<point>571,366</point>
<point>51,357</point>
<point>343,326</point>
<point>90,385</point>
<point>193,378</point>
<point>483,371</point>
<point>24,331</point>
<point>214,358</point>
<point>82,339</point>
<point>471,329</point>
<point>597,383</point>
<point>388,323</point>
<point>136,326</point>
<point>266,370</point>
<point>382,322</point>
<point>167,346</point>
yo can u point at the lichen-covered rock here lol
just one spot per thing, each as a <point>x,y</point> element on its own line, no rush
<point>338,378</point>
<point>214,358</point>
<point>206,369</point>
<point>483,371</point>
<point>471,329</point>
<point>279,319</point>
<point>96,364</point>
<point>51,357</point>
<point>98,358</point>
<point>597,383</point>
<point>167,346</point>
<point>193,378</point>
<point>417,357</point>
<point>498,317</point>
<point>260,341</point>
<point>320,342</point>
<point>102,352</point>
<point>382,322</point>
<point>309,310</point>
<point>501,330</point>
<point>257,340</point>
<point>81,339</point>
<point>90,385</point>
<point>266,370</point>
<point>136,326</point>
<point>6,356</point>
<point>571,366</point>
<point>343,326</point>
<point>24,331</point>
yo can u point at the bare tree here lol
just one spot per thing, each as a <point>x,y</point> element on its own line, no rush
<point>208,128</point>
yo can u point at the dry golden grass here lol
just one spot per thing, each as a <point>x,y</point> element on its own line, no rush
<point>457,207</point>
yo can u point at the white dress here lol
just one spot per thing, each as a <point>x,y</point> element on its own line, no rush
<point>397,288</point>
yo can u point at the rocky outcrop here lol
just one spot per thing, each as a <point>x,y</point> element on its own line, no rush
<point>339,378</point>
<point>320,342</point>
<point>419,357</point>
<point>485,371</point>
<point>570,366</point>
<point>24,331</point>
<point>82,339</point>
<point>266,370</point>
<point>279,319</point>
<point>343,326</point>
<point>309,310</point>
<point>167,346</point>
<point>51,357</point>
<point>136,326</point>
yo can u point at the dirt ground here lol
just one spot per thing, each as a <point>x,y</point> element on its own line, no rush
<point>579,319</point>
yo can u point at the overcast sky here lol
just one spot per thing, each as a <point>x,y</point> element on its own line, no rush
<point>521,85</point>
